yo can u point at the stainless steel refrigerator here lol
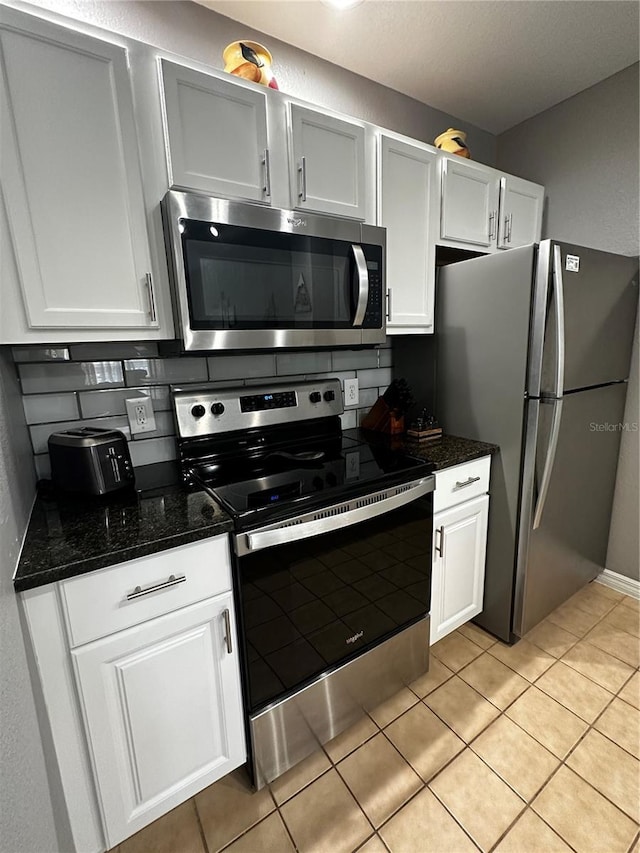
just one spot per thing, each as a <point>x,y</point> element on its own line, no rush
<point>533,353</point>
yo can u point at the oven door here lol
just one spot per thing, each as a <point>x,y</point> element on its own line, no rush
<point>245,277</point>
<point>318,590</point>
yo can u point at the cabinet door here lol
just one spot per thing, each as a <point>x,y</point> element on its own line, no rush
<point>216,133</point>
<point>469,210</point>
<point>520,212</point>
<point>459,550</point>
<point>71,178</point>
<point>407,202</point>
<point>328,163</point>
<point>163,712</point>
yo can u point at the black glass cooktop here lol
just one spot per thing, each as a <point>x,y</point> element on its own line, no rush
<point>289,478</point>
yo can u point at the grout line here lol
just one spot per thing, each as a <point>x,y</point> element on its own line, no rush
<point>203,837</point>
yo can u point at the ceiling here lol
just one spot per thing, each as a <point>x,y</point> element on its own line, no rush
<point>493,63</point>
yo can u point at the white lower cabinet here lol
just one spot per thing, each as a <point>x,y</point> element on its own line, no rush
<point>145,710</point>
<point>459,550</point>
<point>163,712</point>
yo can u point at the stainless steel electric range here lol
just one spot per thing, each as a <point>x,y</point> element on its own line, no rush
<point>332,558</point>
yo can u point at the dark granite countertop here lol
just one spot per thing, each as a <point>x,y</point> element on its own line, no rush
<point>444,452</point>
<point>69,536</point>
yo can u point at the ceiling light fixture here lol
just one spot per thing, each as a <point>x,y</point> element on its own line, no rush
<point>342,5</point>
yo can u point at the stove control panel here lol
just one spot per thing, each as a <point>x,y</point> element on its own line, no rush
<point>262,402</point>
<point>204,411</point>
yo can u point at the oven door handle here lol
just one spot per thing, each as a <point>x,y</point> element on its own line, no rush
<point>363,284</point>
<point>258,540</point>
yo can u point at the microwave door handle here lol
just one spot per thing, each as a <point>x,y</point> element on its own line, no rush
<point>363,284</point>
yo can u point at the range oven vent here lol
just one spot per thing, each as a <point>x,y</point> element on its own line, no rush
<point>331,511</point>
<point>372,499</point>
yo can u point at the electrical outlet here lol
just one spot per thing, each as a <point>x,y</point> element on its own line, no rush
<point>351,395</point>
<point>140,415</point>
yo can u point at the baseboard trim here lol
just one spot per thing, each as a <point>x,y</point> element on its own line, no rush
<point>620,583</point>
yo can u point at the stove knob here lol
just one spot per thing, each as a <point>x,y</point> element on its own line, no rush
<point>315,397</point>
<point>198,411</point>
<point>217,409</point>
<point>332,480</point>
<point>318,483</point>
<point>329,396</point>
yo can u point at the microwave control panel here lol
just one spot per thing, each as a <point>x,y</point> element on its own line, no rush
<point>375,308</point>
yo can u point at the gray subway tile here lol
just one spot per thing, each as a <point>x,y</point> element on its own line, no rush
<point>114,350</point>
<point>354,359</point>
<point>48,408</point>
<point>385,358</point>
<point>162,371</point>
<point>274,380</point>
<point>70,376</point>
<point>22,354</point>
<point>40,433</point>
<point>367,397</point>
<point>374,378</point>
<point>349,419</point>
<point>241,366</point>
<point>43,466</point>
<point>341,375</point>
<point>303,362</point>
<point>152,450</point>
<point>164,426</point>
<point>101,404</point>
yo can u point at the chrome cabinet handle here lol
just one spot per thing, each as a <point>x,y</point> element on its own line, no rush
<point>152,301</point>
<point>468,482</point>
<point>389,303</point>
<point>492,220</point>
<point>439,547</point>
<point>302,172</point>
<point>508,227</point>
<point>138,591</point>
<point>266,162</point>
<point>227,630</point>
<point>363,284</point>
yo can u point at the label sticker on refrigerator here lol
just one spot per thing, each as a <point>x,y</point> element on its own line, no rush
<point>573,263</point>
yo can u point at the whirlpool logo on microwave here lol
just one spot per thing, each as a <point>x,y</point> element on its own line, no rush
<point>297,223</point>
<point>354,638</point>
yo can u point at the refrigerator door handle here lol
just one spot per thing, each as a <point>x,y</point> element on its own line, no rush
<point>548,463</point>
<point>558,297</point>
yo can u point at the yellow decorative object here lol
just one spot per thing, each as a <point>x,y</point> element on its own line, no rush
<point>251,61</point>
<point>454,142</point>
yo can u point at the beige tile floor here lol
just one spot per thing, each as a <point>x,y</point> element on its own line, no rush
<point>531,748</point>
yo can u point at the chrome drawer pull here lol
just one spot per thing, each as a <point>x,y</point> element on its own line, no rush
<point>227,630</point>
<point>468,482</point>
<point>172,581</point>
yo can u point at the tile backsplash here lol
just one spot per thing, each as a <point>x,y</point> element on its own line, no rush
<point>87,385</point>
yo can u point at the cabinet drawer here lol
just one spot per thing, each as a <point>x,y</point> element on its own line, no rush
<point>103,602</point>
<point>461,483</point>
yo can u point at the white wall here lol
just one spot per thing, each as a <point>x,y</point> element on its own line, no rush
<point>586,153</point>
<point>26,815</point>
<point>202,34</point>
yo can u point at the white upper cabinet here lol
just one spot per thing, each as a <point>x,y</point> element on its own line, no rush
<point>521,205</point>
<point>469,212</point>
<point>216,134</point>
<point>71,181</point>
<point>407,208</point>
<point>328,168</point>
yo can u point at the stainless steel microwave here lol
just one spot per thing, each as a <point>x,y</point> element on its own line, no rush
<point>246,276</point>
